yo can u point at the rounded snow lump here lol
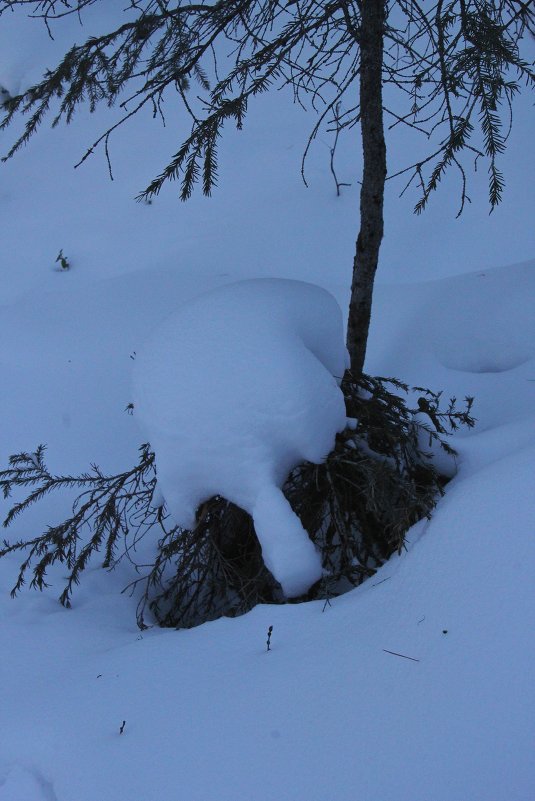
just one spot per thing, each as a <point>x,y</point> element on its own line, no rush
<point>236,389</point>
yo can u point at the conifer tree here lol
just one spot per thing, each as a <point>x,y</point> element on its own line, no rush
<point>456,65</point>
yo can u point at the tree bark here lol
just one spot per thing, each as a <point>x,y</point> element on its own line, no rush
<point>373,180</point>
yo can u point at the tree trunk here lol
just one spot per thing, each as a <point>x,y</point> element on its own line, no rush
<point>373,180</point>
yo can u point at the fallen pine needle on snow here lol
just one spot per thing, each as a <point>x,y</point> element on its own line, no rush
<point>395,653</point>
<point>381,582</point>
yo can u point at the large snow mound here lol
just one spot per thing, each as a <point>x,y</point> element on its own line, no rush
<point>233,391</point>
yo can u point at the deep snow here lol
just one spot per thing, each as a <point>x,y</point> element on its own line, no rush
<point>330,712</point>
<point>235,390</point>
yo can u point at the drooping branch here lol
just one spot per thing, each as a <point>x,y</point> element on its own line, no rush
<point>455,60</point>
<point>356,506</point>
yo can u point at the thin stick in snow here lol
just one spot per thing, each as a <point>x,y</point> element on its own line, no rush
<point>394,653</point>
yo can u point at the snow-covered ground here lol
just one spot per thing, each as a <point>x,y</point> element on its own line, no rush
<point>335,710</point>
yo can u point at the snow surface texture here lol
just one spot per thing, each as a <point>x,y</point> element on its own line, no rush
<point>236,389</point>
<point>330,712</point>
<point>201,704</point>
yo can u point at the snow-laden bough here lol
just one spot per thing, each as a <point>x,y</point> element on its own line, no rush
<point>236,389</point>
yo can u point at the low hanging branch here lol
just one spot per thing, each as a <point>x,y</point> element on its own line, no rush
<point>357,507</point>
<point>457,60</point>
<point>455,65</point>
<point>109,507</point>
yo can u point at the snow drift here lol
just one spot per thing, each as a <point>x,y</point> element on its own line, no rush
<point>236,389</point>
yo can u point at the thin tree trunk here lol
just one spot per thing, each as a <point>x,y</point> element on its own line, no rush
<point>373,180</point>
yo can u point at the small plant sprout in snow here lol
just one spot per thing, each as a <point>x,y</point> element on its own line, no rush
<point>63,261</point>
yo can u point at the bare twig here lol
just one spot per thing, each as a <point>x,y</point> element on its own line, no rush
<point>394,653</point>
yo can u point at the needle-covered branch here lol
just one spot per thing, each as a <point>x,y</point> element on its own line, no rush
<point>357,507</point>
<point>455,65</point>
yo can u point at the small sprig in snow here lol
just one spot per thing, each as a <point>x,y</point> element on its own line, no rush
<point>62,260</point>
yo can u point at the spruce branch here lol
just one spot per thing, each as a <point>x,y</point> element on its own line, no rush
<point>356,506</point>
<point>457,63</point>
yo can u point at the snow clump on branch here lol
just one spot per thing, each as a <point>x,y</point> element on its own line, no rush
<point>236,389</point>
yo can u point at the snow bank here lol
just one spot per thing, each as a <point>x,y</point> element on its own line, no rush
<point>234,391</point>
